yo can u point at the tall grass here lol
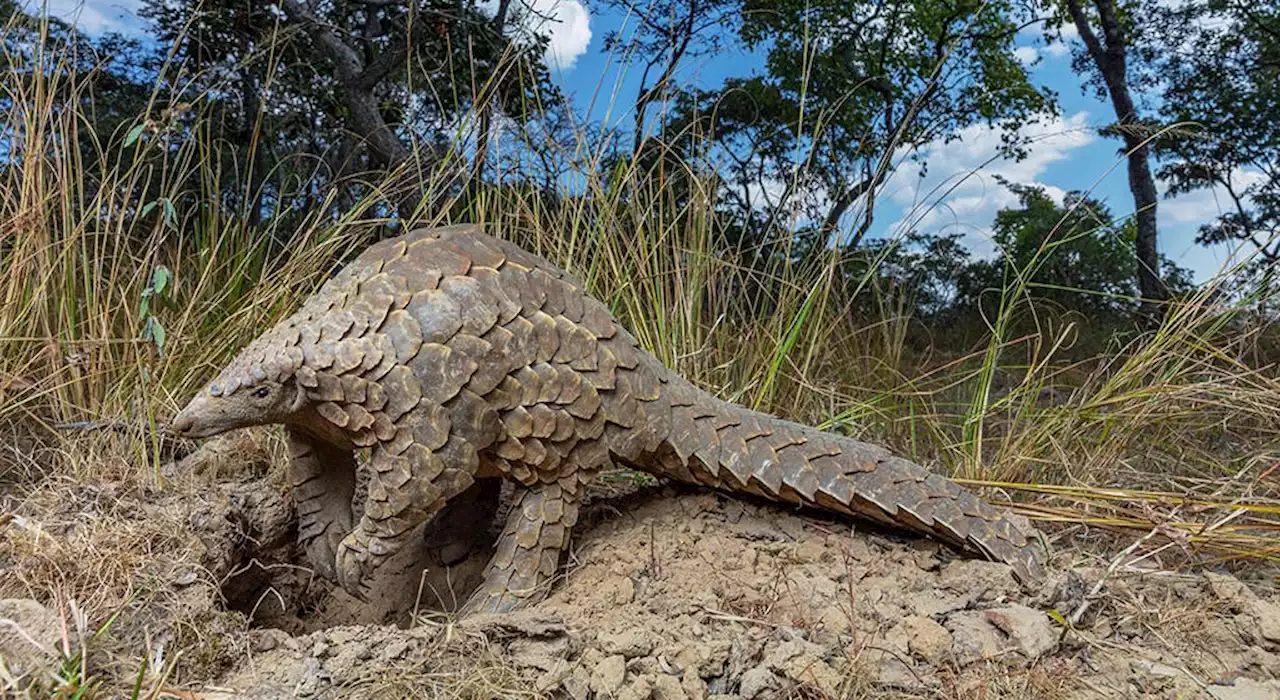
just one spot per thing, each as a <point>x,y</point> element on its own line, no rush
<point>1183,409</point>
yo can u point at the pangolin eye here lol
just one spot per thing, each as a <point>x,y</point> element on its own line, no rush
<point>262,392</point>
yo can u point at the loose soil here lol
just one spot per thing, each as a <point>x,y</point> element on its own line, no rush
<point>668,593</point>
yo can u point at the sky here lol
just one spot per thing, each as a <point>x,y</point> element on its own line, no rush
<point>1067,153</point>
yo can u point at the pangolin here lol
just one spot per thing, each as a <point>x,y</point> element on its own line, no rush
<point>459,357</point>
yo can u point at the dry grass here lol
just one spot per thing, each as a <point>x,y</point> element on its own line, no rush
<point>1175,432</point>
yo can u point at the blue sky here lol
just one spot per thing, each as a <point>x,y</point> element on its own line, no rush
<point>1067,155</point>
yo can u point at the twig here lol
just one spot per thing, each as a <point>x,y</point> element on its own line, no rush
<point>1074,619</point>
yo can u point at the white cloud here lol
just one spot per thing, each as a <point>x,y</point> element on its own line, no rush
<point>93,16</point>
<point>1207,204</point>
<point>958,191</point>
<point>1057,49</point>
<point>565,23</point>
<point>1179,221</point>
<point>1026,54</point>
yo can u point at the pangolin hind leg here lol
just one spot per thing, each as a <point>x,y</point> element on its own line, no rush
<point>406,489</point>
<point>528,551</point>
<point>540,522</point>
<point>323,477</point>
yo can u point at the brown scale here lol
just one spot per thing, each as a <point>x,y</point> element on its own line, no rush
<point>457,356</point>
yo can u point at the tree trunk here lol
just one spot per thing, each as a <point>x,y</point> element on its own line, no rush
<point>486,109</point>
<point>364,118</point>
<point>250,138</point>
<point>1111,62</point>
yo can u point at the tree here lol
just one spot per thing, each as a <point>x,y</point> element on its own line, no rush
<point>1107,62</point>
<point>667,32</point>
<point>1229,96</point>
<point>358,85</point>
<point>1073,255</point>
<point>850,87</point>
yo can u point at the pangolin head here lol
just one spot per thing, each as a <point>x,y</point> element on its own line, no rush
<point>256,388</point>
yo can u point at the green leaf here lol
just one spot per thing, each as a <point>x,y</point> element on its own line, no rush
<point>144,307</point>
<point>170,213</point>
<point>146,209</point>
<point>160,279</point>
<point>157,334</point>
<point>133,134</point>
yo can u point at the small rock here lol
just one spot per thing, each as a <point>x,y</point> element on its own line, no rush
<point>982,580</point>
<point>1246,689</point>
<point>1029,629</point>
<point>639,689</point>
<point>608,675</point>
<point>629,643</point>
<point>668,688</point>
<point>809,670</point>
<point>973,638</point>
<point>927,639</point>
<point>756,682</point>
<point>694,687</point>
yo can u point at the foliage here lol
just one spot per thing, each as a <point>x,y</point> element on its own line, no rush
<point>1227,100</point>
<point>850,87</point>
<point>1074,254</point>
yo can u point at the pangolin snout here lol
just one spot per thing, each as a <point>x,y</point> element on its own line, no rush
<point>182,424</point>
<point>188,422</point>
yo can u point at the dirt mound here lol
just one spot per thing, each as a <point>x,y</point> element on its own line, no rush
<point>673,593</point>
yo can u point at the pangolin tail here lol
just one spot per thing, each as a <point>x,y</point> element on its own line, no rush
<point>724,446</point>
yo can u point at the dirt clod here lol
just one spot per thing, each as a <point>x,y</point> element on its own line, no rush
<point>927,639</point>
<point>29,639</point>
<point>1028,629</point>
<point>609,674</point>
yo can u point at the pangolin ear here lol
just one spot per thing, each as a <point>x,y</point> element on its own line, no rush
<point>299,394</point>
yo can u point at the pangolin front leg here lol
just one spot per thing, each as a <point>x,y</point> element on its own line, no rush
<point>323,477</point>
<point>408,485</point>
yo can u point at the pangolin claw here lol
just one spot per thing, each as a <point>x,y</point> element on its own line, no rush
<point>354,566</point>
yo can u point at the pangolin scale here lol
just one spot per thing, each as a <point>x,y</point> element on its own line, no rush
<point>457,357</point>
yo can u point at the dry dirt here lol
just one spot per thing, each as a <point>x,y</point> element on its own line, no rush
<point>668,593</point>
